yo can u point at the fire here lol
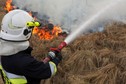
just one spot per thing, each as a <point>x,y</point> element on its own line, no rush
<point>8,6</point>
<point>30,13</point>
<point>46,34</point>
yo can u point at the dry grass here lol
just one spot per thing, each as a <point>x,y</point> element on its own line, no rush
<point>2,12</point>
<point>97,58</point>
<point>2,2</point>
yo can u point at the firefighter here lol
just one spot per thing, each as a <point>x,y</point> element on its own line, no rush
<point>17,64</point>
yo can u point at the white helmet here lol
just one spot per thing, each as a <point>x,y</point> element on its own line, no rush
<point>14,28</point>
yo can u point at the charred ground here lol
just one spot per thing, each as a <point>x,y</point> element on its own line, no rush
<point>96,58</point>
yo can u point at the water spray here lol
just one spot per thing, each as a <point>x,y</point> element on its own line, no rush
<point>85,26</point>
<point>79,31</point>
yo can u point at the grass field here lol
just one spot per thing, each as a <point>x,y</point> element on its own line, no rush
<point>96,58</point>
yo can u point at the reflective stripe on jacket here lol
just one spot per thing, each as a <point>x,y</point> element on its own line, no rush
<point>10,78</point>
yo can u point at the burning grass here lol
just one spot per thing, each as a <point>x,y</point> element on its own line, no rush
<point>97,58</point>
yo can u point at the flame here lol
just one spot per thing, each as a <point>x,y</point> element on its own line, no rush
<point>8,6</point>
<point>47,34</point>
<point>43,33</point>
<point>30,13</point>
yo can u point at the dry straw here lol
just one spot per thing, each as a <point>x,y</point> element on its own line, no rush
<point>97,58</point>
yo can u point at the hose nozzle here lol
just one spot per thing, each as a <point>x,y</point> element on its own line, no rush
<point>62,45</point>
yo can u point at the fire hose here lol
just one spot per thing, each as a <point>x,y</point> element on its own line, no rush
<point>54,50</point>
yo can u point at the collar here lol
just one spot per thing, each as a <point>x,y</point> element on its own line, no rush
<point>10,48</point>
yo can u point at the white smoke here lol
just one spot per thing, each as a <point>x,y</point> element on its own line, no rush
<point>71,13</point>
<point>102,16</point>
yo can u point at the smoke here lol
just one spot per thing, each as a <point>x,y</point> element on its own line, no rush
<point>101,17</point>
<point>69,14</point>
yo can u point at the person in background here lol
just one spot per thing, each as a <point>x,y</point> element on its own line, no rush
<point>18,66</point>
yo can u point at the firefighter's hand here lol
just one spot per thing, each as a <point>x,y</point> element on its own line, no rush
<point>54,52</point>
<point>57,57</point>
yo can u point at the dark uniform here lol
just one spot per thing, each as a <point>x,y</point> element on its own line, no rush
<point>22,63</point>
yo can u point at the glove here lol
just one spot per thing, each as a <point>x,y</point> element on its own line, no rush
<point>57,59</point>
<point>55,55</point>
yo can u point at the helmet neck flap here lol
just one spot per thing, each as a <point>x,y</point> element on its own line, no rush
<point>9,48</point>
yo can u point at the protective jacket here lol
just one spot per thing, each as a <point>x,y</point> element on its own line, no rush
<point>22,63</point>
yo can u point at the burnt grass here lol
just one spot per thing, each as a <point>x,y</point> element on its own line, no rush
<point>95,58</point>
